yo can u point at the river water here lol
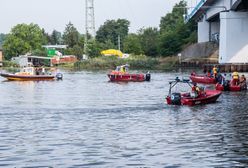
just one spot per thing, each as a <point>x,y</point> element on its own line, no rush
<point>86,121</point>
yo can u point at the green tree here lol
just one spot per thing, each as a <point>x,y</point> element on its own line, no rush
<point>22,39</point>
<point>71,35</point>
<point>55,37</point>
<point>132,44</point>
<point>2,38</point>
<point>46,37</point>
<point>174,33</point>
<point>111,29</point>
<point>149,41</point>
<point>94,48</point>
<point>169,43</point>
<point>170,21</point>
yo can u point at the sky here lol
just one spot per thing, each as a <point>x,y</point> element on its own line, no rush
<point>55,14</point>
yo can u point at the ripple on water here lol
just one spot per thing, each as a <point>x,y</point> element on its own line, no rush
<point>85,121</point>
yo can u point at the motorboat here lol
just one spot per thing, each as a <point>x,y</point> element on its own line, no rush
<point>202,79</point>
<point>230,86</point>
<point>188,98</point>
<point>31,74</point>
<point>121,74</point>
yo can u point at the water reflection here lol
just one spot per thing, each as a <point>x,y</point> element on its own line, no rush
<point>85,121</point>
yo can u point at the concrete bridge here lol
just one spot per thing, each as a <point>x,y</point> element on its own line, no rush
<point>225,22</point>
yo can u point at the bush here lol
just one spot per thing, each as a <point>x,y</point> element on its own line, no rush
<point>135,62</point>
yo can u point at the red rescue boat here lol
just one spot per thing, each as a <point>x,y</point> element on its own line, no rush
<point>229,86</point>
<point>121,74</point>
<point>205,97</point>
<point>202,79</point>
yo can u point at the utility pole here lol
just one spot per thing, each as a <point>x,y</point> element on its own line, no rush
<point>89,23</point>
<point>119,42</point>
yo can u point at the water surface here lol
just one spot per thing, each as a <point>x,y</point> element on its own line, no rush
<point>86,121</point>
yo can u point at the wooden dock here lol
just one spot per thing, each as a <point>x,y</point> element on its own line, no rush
<point>228,67</point>
<point>222,67</point>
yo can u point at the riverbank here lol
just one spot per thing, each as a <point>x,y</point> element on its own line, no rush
<point>135,62</point>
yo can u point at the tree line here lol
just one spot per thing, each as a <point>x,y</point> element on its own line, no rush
<point>169,39</point>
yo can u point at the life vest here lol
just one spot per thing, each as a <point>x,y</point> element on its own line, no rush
<point>215,70</point>
<point>235,75</point>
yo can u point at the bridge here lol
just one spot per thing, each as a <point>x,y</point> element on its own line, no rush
<point>225,22</point>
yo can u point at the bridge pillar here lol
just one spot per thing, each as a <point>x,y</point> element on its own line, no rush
<point>203,31</point>
<point>233,37</point>
<point>208,31</point>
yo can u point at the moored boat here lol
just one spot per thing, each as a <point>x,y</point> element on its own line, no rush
<point>190,99</point>
<point>121,74</point>
<point>229,86</point>
<point>202,79</point>
<point>29,74</point>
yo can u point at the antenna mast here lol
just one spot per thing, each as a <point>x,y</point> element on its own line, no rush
<point>89,23</point>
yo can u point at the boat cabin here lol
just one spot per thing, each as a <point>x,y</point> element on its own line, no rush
<point>122,68</point>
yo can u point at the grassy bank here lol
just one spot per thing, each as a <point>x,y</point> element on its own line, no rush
<point>135,62</point>
<point>107,63</point>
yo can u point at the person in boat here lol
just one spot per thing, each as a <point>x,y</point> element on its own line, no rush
<point>215,72</point>
<point>219,78</point>
<point>195,90</point>
<point>122,69</point>
<point>242,82</point>
<point>193,73</point>
<point>43,70</point>
<point>209,73</point>
<point>235,78</point>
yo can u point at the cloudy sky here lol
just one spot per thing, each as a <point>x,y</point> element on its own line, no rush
<point>55,14</point>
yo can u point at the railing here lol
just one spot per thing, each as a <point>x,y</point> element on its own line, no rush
<point>192,10</point>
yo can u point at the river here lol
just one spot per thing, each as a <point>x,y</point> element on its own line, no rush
<point>86,121</point>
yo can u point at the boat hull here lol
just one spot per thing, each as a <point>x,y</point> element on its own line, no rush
<point>127,77</point>
<point>202,79</point>
<point>210,96</point>
<point>14,77</point>
<point>232,88</point>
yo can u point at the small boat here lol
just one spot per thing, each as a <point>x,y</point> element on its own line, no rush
<point>121,74</point>
<point>204,97</point>
<point>229,86</point>
<point>202,79</point>
<point>30,74</point>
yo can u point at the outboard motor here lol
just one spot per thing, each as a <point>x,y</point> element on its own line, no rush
<point>176,98</point>
<point>59,76</point>
<point>226,85</point>
<point>148,76</point>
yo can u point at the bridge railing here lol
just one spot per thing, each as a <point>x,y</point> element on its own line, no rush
<point>192,10</point>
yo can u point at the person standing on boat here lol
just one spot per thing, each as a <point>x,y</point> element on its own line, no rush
<point>195,90</point>
<point>215,71</point>
<point>43,71</point>
<point>242,82</point>
<point>235,78</point>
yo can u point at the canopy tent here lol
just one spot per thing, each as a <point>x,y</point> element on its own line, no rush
<point>112,52</point>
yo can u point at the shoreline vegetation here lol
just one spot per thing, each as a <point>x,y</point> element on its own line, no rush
<point>106,63</point>
<point>135,62</point>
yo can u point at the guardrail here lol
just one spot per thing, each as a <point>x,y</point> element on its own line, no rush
<point>195,9</point>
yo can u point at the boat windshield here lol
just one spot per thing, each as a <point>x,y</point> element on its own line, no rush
<point>122,68</point>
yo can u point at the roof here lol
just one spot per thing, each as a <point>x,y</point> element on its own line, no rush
<point>54,46</point>
<point>33,56</point>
